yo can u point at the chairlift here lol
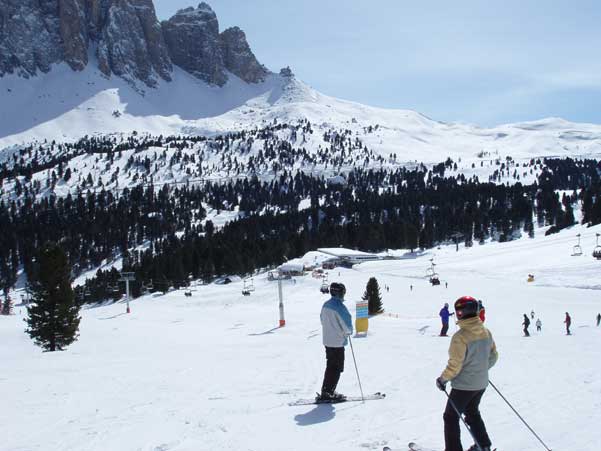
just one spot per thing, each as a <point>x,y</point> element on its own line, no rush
<point>597,250</point>
<point>325,287</point>
<point>430,272</point>
<point>434,280</point>
<point>249,287</point>
<point>577,250</point>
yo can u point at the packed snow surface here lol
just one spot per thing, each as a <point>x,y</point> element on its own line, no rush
<point>213,372</point>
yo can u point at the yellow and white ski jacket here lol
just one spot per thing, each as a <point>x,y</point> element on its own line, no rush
<point>471,354</point>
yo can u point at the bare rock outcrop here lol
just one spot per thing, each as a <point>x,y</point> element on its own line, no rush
<point>239,58</point>
<point>128,38</point>
<point>192,36</point>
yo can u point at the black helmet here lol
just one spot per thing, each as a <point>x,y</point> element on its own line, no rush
<point>337,290</point>
<point>466,307</point>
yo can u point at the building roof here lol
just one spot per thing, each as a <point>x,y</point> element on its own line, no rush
<point>342,252</point>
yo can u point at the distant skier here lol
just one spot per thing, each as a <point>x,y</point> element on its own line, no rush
<point>411,287</point>
<point>337,325</point>
<point>598,319</point>
<point>444,318</point>
<point>482,313</point>
<point>446,284</point>
<point>526,324</point>
<point>539,325</point>
<point>568,322</point>
<point>532,314</point>
<point>471,354</point>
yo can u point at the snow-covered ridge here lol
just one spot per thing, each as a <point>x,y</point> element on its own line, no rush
<point>64,106</point>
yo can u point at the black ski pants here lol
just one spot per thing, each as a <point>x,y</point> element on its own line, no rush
<point>467,403</point>
<point>445,328</point>
<point>334,367</point>
<point>526,333</point>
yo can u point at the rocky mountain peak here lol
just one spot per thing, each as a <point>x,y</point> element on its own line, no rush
<point>192,36</point>
<point>129,40</point>
<point>132,44</point>
<point>239,58</point>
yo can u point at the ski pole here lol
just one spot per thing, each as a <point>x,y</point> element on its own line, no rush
<point>519,416</point>
<point>462,419</point>
<point>356,369</point>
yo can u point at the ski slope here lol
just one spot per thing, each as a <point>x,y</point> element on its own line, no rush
<point>212,372</point>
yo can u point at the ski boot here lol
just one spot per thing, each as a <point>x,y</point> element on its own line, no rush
<point>330,397</point>
<point>478,448</point>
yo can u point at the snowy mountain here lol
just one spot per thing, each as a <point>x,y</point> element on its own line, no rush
<point>72,68</point>
<point>64,105</point>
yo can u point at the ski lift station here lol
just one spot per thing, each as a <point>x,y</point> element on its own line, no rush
<point>346,257</point>
<point>227,280</point>
<point>291,269</point>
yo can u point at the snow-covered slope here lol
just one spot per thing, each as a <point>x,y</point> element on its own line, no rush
<point>212,372</point>
<point>65,105</point>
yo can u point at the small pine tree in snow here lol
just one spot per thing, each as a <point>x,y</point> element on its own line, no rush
<point>7,306</point>
<point>53,316</point>
<point>373,297</point>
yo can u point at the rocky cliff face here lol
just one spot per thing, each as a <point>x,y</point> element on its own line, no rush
<point>239,58</point>
<point>131,44</point>
<point>29,36</point>
<point>129,40</point>
<point>192,36</point>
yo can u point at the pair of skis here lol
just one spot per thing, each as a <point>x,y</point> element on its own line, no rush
<point>305,402</point>
<point>412,447</point>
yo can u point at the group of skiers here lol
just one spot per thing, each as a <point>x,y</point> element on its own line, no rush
<point>445,315</point>
<point>472,353</point>
<point>539,324</point>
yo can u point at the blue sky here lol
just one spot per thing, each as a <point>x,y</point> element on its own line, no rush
<point>469,60</point>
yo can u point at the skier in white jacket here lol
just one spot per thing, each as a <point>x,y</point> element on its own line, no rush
<point>337,325</point>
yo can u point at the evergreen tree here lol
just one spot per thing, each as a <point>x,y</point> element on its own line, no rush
<point>7,306</point>
<point>373,297</point>
<point>54,315</point>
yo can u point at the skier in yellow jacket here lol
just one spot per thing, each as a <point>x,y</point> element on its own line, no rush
<point>471,354</point>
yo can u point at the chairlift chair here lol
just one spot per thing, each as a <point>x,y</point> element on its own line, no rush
<point>325,288</point>
<point>248,288</point>
<point>597,250</point>
<point>577,250</point>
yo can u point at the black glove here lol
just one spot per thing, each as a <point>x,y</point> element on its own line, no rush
<point>441,384</point>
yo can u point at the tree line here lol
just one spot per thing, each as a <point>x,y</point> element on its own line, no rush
<point>164,236</point>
